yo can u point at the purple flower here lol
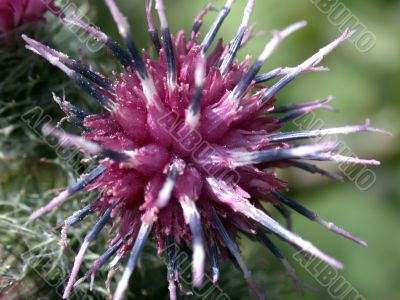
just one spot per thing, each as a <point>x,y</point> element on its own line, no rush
<point>14,12</point>
<point>186,146</point>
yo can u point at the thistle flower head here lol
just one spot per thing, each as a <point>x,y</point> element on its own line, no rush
<point>186,145</point>
<point>14,12</point>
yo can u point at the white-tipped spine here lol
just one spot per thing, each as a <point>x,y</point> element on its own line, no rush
<point>193,113</point>
<point>135,252</point>
<point>120,19</point>
<point>278,37</point>
<point>75,269</point>
<point>192,218</point>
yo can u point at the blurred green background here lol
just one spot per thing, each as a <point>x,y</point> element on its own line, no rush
<point>365,84</point>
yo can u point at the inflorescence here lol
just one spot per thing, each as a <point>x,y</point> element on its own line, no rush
<point>186,144</point>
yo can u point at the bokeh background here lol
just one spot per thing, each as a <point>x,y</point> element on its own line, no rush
<point>365,84</point>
